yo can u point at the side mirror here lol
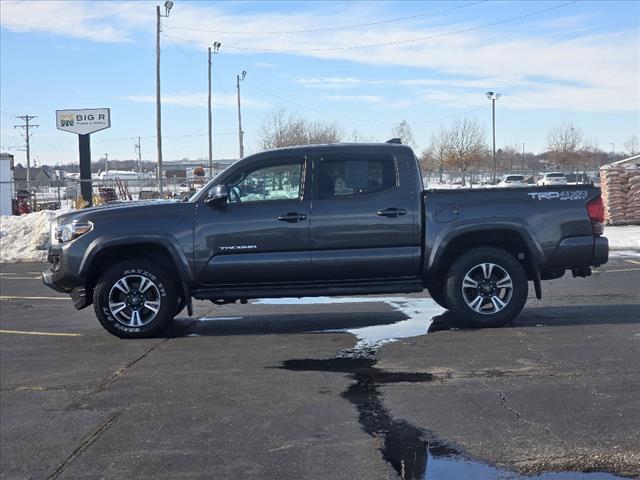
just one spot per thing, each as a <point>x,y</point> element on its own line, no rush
<point>218,194</point>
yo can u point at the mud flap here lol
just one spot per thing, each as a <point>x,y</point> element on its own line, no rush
<point>187,298</point>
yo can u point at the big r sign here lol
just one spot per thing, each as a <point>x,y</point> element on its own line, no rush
<point>83,121</point>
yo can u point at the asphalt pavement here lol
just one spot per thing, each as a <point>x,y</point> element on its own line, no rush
<point>277,391</point>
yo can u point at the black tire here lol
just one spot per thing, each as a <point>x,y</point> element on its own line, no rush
<point>487,304</point>
<point>150,289</point>
<point>437,295</point>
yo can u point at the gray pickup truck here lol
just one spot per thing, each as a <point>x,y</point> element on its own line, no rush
<point>324,220</point>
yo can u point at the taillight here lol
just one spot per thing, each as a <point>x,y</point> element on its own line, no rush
<point>595,209</point>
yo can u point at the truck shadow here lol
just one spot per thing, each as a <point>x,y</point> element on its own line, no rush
<point>329,322</point>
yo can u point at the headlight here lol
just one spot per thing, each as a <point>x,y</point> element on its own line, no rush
<point>69,231</point>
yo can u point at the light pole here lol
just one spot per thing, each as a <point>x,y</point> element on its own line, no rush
<point>216,48</point>
<point>167,8</point>
<point>239,78</point>
<point>613,148</point>
<point>493,97</point>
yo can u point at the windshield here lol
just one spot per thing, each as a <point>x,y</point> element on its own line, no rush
<point>555,175</point>
<point>514,178</point>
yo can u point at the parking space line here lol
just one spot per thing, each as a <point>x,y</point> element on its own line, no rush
<point>11,297</point>
<point>22,278</point>
<point>637,262</point>
<point>620,270</point>
<point>19,273</point>
<point>49,334</point>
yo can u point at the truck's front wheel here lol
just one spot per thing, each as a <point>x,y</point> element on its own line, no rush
<point>486,287</point>
<point>135,299</point>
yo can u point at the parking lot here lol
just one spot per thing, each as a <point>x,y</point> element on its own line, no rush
<point>275,389</point>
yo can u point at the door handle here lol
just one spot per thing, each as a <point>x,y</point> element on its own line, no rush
<point>392,212</point>
<point>292,217</point>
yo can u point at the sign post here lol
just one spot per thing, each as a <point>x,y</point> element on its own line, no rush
<point>84,122</point>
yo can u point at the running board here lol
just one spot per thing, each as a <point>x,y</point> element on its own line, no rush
<point>231,293</point>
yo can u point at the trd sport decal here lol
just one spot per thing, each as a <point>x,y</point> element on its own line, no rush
<point>564,195</point>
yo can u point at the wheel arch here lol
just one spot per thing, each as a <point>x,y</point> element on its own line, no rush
<point>511,238</point>
<point>105,254</point>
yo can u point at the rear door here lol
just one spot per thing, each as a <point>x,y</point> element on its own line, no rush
<point>363,223</point>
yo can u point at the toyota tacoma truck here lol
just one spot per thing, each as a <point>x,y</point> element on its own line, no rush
<point>324,220</point>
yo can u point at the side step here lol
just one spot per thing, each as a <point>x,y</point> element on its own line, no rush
<point>232,293</point>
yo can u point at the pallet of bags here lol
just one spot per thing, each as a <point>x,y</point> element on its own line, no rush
<point>633,197</point>
<point>615,187</point>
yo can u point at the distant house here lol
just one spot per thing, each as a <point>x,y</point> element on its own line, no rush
<point>39,175</point>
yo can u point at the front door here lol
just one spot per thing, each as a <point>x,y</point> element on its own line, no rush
<point>261,234</point>
<point>363,223</point>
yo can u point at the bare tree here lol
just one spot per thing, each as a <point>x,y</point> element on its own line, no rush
<point>563,144</point>
<point>631,145</point>
<point>437,152</point>
<point>403,132</point>
<point>284,129</point>
<point>466,145</point>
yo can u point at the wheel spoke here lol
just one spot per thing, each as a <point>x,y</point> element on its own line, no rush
<point>122,285</point>
<point>476,304</point>
<point>505,283</point>
<point>497,303</point>
<point>469,282</point>
<point>117,307</point>
<point>487,268</point>
<point>145,283</point>
<point>135,319</point>
<point>153,306</point>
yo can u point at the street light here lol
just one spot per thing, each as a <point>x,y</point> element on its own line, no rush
<point>239,78</point>
<point>167,8</point>
<point>216,48</point>
<point>493,97</point>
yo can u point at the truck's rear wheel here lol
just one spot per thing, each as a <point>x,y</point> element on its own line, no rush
<point>135,299</point>
<point>486,287</point>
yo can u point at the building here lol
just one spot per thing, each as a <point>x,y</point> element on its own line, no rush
<point>6,183</point>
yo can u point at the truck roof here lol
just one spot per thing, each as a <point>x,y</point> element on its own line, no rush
<point>338,147</point>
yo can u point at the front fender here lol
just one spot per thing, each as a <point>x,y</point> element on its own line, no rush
<point>169,243</point>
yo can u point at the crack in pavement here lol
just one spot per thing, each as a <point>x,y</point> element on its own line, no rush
<point>85,443</point>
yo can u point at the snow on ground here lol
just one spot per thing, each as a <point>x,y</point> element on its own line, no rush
<point>625,237</point>
<point>25,238</point>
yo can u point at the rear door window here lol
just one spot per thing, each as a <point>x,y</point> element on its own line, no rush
<point>355,176</point>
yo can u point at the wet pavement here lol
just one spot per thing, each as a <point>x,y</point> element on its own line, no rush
<point>366,387</point>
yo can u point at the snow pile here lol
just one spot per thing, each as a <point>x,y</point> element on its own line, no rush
<point>25,238</point>
<point>623,237</point>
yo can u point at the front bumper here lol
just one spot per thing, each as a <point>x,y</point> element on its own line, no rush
<point>62,276</point>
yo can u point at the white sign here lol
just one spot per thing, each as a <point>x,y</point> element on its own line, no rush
<point>83,121</point>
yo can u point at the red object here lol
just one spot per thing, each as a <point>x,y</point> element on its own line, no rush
<point>23,207</point>
<point>595,209</point>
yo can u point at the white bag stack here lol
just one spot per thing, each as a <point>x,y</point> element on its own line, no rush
<point>620,194</point>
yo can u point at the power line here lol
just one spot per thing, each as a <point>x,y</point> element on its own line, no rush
<point>333,29</point>
<point>395,42</point>
<point>191,57</point>
<point>415,122</point>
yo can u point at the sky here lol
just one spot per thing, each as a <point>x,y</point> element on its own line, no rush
<point>366,66</point>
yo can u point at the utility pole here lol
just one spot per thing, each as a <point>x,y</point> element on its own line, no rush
<point>523,162</point>
<point>167,7</point>
<point>493,97</point>
<point>216,48</point>
<point>613,148</point>
<point>139,152</point>
<point>239,78</point>
<point>106,166</point>
<point>27,135</point>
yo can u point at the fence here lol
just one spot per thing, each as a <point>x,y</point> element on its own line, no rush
<point>52,195</point>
